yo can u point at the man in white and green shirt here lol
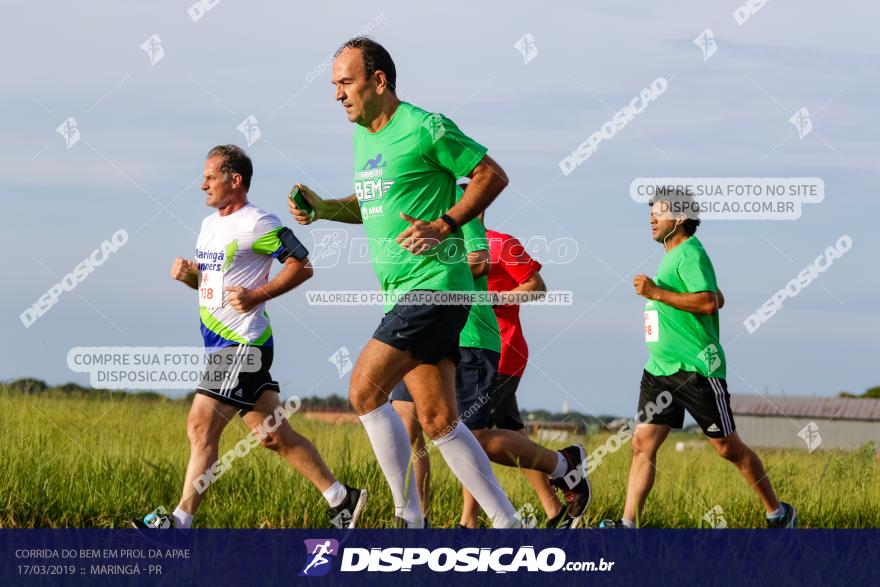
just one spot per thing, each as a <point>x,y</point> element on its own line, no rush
<point>234,253</point>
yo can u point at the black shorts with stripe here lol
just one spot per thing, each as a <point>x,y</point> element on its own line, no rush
<point>238,375</point>
<point>704,398</point>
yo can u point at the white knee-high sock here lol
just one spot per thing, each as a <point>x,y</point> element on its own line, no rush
<point>468,462</point>
<point>391,444</point>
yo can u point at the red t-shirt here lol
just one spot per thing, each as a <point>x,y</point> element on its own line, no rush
<point>510,266</point>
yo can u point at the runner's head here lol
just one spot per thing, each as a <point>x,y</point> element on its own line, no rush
<point>227,178</point>
<point>365,79</point>
<point>673,212</point>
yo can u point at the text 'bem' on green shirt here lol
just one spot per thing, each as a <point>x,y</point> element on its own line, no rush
<point>679,340</point>
<point>411,166</point>
<point>481,330</point>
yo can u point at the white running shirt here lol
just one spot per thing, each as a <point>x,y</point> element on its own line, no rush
<point>235,250</point>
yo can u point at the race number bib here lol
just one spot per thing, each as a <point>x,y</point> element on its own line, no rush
<point>652,326</point>
<point>211,289</point>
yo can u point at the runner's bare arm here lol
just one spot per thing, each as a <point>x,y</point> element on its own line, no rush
<point>532,289</point>
<point>479,262</point>
<point>487,181</point>
<point>342,210</point>
<point>185,270</point>
<point>291,275</point>
<point>701,302</point>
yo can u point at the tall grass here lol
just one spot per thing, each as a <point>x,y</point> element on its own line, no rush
<point>98,461</point>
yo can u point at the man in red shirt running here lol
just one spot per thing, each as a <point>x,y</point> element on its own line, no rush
<point>514,274</point>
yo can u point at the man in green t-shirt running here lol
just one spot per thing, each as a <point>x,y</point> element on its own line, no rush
<point>406,163</point>
<point>686,365</point>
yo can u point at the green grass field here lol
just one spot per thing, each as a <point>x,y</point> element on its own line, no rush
<point>97,461</point>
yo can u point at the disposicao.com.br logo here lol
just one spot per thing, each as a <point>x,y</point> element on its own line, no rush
<point>444,559</point>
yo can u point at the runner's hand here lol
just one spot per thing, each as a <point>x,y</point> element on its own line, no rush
<point>241,299</point>
<point>182,268</point>
<point>422,236</point>
<point>645,286</point>
<point>313,199</point>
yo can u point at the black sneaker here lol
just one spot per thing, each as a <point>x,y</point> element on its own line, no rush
<point>562,521</point>
<point>347,514</point>
<point>611,524</point>
<point>789,518</point>
<point>153,520</point>
<point>574,484</point>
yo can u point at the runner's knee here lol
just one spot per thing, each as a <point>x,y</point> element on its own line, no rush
<point>202,433</point>
<point>437,424</point>
<point>644,445</point>
<point>364,396</point>
<point>273,441</point>
<point>728,450</point>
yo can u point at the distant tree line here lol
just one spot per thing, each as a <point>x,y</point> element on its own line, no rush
<point>37,386</point>
<point>585,420</point>
<point>871,392</point>
<point>333,403</point>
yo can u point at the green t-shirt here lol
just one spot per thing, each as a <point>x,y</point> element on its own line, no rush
<point>481,330</point>
<point>679,340</point>
<point>411,166</point>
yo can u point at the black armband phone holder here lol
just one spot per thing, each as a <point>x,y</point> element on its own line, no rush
<point>290,246</point>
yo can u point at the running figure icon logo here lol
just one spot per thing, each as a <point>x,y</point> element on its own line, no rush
<point>320,554</point>
<point>706,43</point>
<point>802,122</point>
<point>376,163</point>
<point>527,47</point>
<point>70,131</point>
<point>329,245</point>
<point>250,128</point>
<point>153,48</point>
<point>810,435</point>
<point>434,124</point>
<point>711,358</point>
<point>342,360</point>
<point>715,518</point>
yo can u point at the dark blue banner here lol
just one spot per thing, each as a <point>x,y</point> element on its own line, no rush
<point>597,557</point>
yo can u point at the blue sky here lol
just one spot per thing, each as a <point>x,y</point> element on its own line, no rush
<point>145,130</point>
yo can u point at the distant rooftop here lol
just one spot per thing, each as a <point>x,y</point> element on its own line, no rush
<point>827,408</point>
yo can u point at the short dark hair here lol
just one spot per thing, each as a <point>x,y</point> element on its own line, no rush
<point>235,160</point>
<point>681,201</point>
<point>376,58</point>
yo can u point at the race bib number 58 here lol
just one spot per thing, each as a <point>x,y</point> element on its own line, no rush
<point>652,326</point>
<point>211,289</point>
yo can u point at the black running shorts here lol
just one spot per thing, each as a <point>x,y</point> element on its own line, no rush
<point>429,332</point>
<point>504,409</point>
<point>237,375</point>
<point>704,398</point>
